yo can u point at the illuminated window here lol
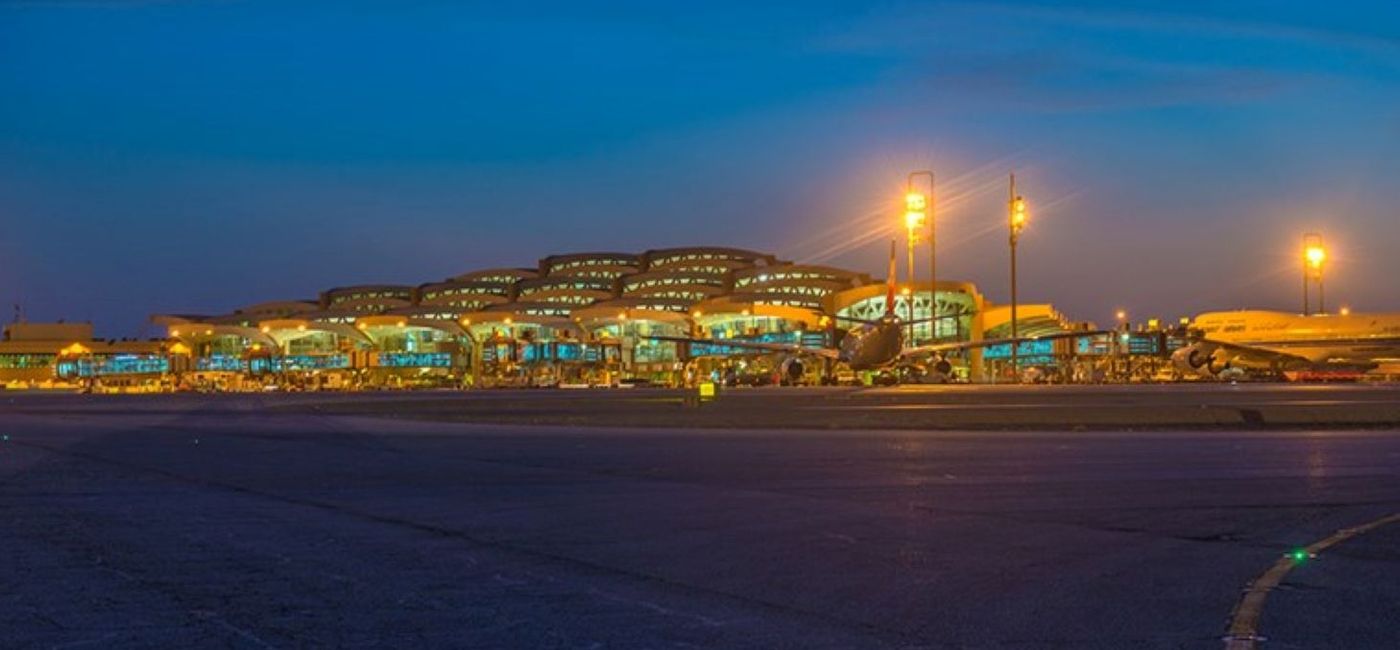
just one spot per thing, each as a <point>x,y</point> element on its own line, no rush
<point>24,361</point>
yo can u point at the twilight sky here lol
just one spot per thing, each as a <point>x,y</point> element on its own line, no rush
<point>196,156</point>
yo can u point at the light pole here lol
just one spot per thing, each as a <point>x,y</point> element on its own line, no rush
<point>1016,222</point>
<point>909,308</point>
<point>1120,344</point>
<point>919,208</point>
<point>1314,255</point>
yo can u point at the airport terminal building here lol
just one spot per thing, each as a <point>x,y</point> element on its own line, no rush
<point>579,318</point>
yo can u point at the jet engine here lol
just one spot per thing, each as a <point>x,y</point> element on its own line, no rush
<point>939,371</point>
<point>1200,359</point>
<point>793,370</point>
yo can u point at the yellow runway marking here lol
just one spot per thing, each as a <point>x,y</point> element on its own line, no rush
<point>1244,626</point>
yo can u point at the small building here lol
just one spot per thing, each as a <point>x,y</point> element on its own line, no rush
<point>68,356</point>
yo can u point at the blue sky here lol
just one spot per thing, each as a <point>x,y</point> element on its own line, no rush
<point>198,156</point>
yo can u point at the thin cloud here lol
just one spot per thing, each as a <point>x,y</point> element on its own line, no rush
<point>911,29</point>
<point>1201,26</point>
<point>1032,60</point>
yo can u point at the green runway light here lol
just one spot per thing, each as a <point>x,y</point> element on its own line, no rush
<point>1299,555</point>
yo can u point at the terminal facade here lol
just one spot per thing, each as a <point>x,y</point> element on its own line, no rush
<point>572,319</point>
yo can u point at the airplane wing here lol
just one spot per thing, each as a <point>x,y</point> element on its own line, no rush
<point>971,345</point>
<point>825,353</point>
<point>1241,352</point>
<point>1353,350</point>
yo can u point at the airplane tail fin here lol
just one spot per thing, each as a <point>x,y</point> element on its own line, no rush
<point>889,284</point>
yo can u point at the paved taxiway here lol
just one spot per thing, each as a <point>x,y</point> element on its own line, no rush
<point>228,522</point>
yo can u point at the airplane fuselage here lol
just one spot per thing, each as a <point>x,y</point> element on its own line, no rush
<point>873,346</point>
<point>1321,338</point>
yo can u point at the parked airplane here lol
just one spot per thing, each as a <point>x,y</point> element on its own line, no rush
<point>871,344</point>
<point>1278,343</point>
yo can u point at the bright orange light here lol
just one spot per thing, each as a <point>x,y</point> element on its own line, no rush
<point>1121,314</point>
<point>1315,255</point>
<point>1018,213</point>
<point>75,349</point>
<point>622,315</point>
<point>904,291</point>
<point>913,220</point>
<point>915,202</point>
<point>1346,311</point>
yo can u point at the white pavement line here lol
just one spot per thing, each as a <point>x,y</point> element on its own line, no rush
<point>1244,626</point>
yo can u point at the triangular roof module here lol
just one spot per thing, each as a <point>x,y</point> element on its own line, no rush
<point>375,297</point>
<point>368,288</point>
<point>799,272</point>
<point>647,278</point>
<point>279,306</point>
<point>661,258</point>
<point>500,274</point>
<point>567,282</point>
<point>564,263</point>
<point>644,303</point>
<point>434,291</point>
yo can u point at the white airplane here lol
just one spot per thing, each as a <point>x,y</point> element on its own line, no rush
<point>1229,342</point>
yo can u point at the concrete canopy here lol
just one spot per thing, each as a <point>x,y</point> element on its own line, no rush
<point>191,333</point>
<point>289,329</point>
<point>400,321</point>
<point>619,310</point>
<point>1031,320</point>
<point>485,323</point>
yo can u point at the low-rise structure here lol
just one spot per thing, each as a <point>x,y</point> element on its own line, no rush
<point>67,355</point>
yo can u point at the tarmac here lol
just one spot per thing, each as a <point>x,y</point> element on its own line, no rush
<point>921,407</point>
<point>279,521</point>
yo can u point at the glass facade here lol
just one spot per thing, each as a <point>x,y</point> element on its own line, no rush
<point>296,362</point>
<point>957,309</point>
<point>116,364</point>
<point>221,363</point>
<point>312,343</point>
<point>26,361</point>
<point>805,339</point>
<point>1030,352</point>
<point>410,339</point>
<point>415,360</point>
